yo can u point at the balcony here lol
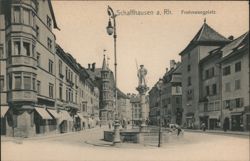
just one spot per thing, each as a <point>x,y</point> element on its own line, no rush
<point>22,96</point>
<point>22,60</point>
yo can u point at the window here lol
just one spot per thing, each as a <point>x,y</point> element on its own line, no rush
<point>189,81</point>
<point>34,83</point>
<point>1,83</point>
<point>51,66</point>
<point>26,48</point>
<point>66,71</point>
<point>17,15</point>
<point>51,86</point>
<point>214,89</point>
<point>1,52</point>
<point>18,81</point>
<point>27,82</point>
<point>189,68</point>
<point>17,48</point>
<point>189,94</point>
<point>60,91</point>
<point>60,67</point>
<point>178,100</point>
<point>38,85</point>
<point>49,43</point>
<point>226,70</point>
<point>48,21</point>
<point>207,91</point>
<point>238,102</point>
<point>37,32</point>
<point>237,84</point>
<point>26,16</point>
<point>238,67</point>
<point>227,104</point>
<point>227,87</point>
<point>38,59</point>
<point>206,74</point>
<point>209,73</point>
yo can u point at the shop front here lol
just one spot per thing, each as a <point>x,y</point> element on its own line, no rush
<point>237,121</point>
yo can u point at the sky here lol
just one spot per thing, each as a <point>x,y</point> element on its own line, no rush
<point>152,40</point>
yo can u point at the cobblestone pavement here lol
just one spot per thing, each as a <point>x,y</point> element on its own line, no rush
<point>88,146</point>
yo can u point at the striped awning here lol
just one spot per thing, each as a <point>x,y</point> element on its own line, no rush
<point>54,113</point>
<point>43,113</point>
<point>4,110</point>
<point>64,115</point>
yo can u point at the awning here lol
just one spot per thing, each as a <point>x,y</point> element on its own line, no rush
<point>64,115</point>
<point>236,113</point>
<point>82,118</point>
<point>43,113</point>
<point>54,113</point>
<point>4,109</point>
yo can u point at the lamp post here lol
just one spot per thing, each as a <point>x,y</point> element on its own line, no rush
<point>111,30</point>
<point>159,87</point>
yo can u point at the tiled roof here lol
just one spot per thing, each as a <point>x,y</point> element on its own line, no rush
<point>229,48</point>
<point>206,34</point>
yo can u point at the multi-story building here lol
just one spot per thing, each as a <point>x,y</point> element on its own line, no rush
<point>206,40</point>
<point>167,102</point>
<point>104,79</point>
<point>137,109</point>
<point>124,106</point>
<point>210,90</point>
<point>154,107</point>
<point>171,109</point>
<point>40,83</point>
<point>235,84</point>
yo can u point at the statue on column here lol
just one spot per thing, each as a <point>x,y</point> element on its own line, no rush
<point>142,72</point>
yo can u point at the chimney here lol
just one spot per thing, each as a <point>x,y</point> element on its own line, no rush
<point>231,37</point>
<point>93,66</point>
<point>88,66</point>
<point>172,64</point>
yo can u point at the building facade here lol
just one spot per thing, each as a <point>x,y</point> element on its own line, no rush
<point>40,83</point>
<point>166,102</point>
<point>210,90</point>
<point>206,40</point>
<point>235,84</point>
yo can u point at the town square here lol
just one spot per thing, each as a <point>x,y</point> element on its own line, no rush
<point>124,80</point>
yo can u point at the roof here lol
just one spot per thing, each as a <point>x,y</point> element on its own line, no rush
<point>120,94</point>
<point>95,73</point>
<point>229,48</point>
<point>104,64</point>
<point>53,15</point>
<point>206,35</point>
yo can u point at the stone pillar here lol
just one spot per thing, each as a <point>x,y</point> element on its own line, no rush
<point>142,91</point>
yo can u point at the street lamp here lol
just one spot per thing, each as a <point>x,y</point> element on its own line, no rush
<point>159,87</point>
<point>111,30</point>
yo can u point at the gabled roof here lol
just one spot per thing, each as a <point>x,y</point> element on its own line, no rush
<point>229,48</point>
<point>236,46</point>
<point>206,35</point>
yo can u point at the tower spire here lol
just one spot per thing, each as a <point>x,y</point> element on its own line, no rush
<point>104,64</point>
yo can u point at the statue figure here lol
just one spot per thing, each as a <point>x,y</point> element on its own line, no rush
<point>142,72</point>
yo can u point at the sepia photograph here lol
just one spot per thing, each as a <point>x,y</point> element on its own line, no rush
<point>84,80</point>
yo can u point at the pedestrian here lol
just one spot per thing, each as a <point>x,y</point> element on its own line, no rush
<point>179,130</point>
<point>203,126</point>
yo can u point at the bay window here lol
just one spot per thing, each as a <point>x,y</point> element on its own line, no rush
<point>17,15</point>
<point>22,80</point>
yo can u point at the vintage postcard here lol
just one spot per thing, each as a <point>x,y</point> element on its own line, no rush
<point>124,80</point>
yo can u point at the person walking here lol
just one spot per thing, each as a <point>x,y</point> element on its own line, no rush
<point>203,126</point>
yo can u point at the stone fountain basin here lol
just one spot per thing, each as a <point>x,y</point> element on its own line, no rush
<point>137,136</point>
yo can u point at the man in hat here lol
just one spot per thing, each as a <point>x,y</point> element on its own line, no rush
<point>142,72</point>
